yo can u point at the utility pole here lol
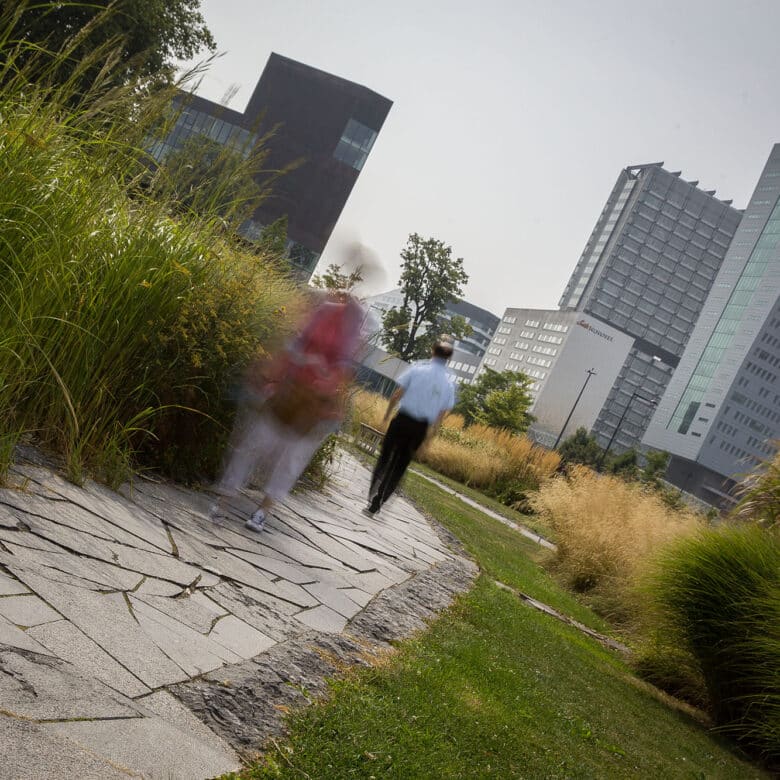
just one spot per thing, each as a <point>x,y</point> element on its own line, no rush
<point>590,372</point>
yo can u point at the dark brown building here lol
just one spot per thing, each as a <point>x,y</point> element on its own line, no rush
<point>324,122</point>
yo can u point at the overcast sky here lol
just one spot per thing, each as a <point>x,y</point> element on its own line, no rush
<point>512,118</point>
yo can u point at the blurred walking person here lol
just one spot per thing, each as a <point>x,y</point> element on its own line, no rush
<point>293,402</point>
<point>424,395</point>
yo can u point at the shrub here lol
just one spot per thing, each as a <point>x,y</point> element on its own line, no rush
<point>606,529</point>
<point>122,327</point>
<point>717,596</point>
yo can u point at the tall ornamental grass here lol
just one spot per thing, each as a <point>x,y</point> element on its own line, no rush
<point>716,596</point>
<point>495,461</point>
<point>606,530</point>
<point>122,327</point>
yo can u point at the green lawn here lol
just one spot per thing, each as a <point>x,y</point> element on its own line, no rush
<point>529,521</point>
<point>496,689</point>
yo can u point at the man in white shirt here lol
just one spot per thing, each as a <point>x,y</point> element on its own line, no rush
<point>424,395</point>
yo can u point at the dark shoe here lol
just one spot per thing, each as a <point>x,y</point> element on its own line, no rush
<point>366,510</point>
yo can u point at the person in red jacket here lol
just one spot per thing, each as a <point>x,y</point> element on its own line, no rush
<point>293,402</point>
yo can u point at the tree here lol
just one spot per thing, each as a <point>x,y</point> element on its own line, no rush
<point>146,37</point>
<point>336,279</point>
<point>430,279</point>
<point>580,447</point>
<point>499,399</point>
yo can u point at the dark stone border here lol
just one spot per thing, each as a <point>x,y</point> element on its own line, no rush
<point>246,703</point>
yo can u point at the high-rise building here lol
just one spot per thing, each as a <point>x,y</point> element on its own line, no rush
<point>720,414</point>
<point>646,270</point>
<point>325,123</point>
<point>530,341</point>
<point>469,350</point>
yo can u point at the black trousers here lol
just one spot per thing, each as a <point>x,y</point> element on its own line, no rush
<point>403,438</point>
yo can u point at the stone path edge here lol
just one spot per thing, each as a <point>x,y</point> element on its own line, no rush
<point>247,703</point>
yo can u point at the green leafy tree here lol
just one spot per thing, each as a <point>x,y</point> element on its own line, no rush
<point>430,279</point>
<point>581,447</point>
<point>144,38</point>
<point>337,279</point>
<point>499,399</point>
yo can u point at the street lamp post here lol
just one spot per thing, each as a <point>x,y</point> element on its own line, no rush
<point>634,395</point>
<point>590,372</point>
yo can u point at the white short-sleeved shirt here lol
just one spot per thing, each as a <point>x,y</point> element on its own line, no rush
<point>427,390</point>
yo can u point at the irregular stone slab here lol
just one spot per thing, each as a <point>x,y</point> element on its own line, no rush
<point>296,574</point>
<point>10,586</point>
<point>154,587</point>
<point>101,575</point>
<point>65,641</point>
<point>193,652</point>
<point>239,637</point>
<point>170,709</point>
<point>12,636</point>
<point>27,610</point>
<point>107,621</point>
<point>151,747</point>
<point>322,619</point>
<point>357,595</point>
<point>268,615</point>
<point>334,598</point>
<point>29,751</point>
<point>39,687</point>
<point>194,610</point>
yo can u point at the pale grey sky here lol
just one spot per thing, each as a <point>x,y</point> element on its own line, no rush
<point>512,118</point>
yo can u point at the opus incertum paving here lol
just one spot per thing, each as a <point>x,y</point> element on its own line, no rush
<point>112,604</point>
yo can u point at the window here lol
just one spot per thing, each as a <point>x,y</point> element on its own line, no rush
<point>532,323</point>
<point>499,341</point>
<point>510,320</point>
<point>556,326</point>
<point>544,350</point>
<point>521,345</point>
<point>355,144</point>
<point>550,339</point>
<point>505,330</point>
<point>537,361</point>
<point>490,361</point>
<point>516,355</point>
<point>494,351</point>
<point>527,334</point>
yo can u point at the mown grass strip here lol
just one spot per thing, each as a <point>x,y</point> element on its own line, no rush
<point>495,689</point>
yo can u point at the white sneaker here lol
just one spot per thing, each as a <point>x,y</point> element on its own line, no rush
<point>256,523</point>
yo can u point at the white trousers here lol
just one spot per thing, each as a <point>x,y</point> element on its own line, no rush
<point>260,440</point>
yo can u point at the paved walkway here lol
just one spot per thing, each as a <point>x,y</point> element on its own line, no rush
<point>108,601</point>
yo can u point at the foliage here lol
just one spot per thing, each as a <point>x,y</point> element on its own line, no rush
<point>717,596</point>
<point>320,467</point>
<point>493,460</point>
<point>606,529</point>
<point>122,326</point>
<point>581,447</point>
<point>500,400</point>
<point>430,279</point>
<point>336,279</point>
<point>624,465</point>
<point>209,178</point>
<point>142,38</point>
<point>759,494</point>
<point>495,689</point>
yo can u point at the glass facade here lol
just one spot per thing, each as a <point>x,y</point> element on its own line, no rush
<point>355,144</point>
<point>191,122</point>
<point>735,311</point>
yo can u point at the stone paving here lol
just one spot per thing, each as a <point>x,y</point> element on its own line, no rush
<point>118,611</point>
